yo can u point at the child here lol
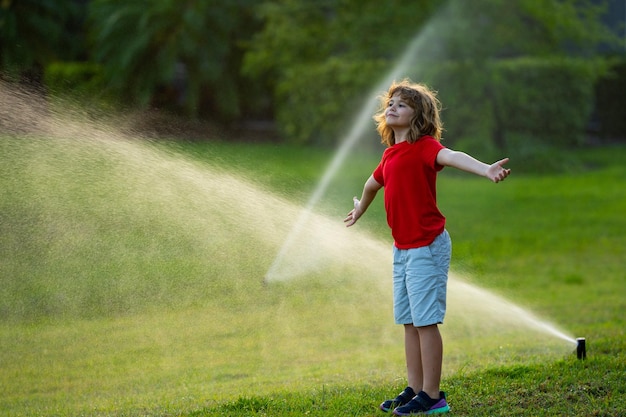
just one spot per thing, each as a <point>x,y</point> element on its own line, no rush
<point>409,124</point>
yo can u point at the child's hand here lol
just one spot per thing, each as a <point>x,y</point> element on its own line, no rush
<point>496,172</point>
<point>354,214</point>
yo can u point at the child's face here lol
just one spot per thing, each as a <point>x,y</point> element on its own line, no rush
<point>398,113</point>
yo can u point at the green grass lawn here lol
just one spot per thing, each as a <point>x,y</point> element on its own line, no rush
<point>132,284</point>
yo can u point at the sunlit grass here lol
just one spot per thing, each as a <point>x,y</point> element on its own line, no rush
<point>129,290</point>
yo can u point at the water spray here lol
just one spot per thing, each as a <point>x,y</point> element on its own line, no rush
<point>360,126</point>
<point>581,349</point>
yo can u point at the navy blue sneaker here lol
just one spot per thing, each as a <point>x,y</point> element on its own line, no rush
<point>423,404</point>
<point>404,397</point>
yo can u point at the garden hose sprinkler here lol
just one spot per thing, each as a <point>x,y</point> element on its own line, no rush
<point>581,349</point>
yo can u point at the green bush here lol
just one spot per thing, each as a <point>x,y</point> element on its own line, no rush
<point>318,101</point>
<point>74,78</point>
<point>610,103</point>
<point>81,85</point>
<point>466,111</point>
<point>544,100</point>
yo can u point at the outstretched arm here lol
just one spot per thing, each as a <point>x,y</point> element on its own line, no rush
<point>460,160</point>
<point>360,206</point>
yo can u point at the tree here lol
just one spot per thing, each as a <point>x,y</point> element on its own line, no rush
<point>320,57</point>
<point>34,33</point>
<point>185,53</point>
<point>528,67</point>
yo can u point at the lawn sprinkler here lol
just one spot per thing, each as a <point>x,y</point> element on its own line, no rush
<point>581,349</point>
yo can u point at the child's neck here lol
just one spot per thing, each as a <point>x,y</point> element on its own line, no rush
<point>401,135</point>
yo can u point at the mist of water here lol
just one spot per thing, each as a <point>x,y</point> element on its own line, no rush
<point>502,311</point>
<point>100,210</point>
<point>293,257</point>
<point>363,122</point>
<point>99,224</point>
<point>159,252</point>
<point>194,207</point>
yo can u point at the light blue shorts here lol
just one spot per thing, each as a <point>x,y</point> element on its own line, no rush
<point>420,278</point>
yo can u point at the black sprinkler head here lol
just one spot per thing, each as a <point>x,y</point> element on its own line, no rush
<point>581,349</point>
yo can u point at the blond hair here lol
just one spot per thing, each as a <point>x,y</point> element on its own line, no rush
<point>425,120</point>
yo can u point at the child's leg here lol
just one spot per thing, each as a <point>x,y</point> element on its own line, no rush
<point>413,357</point>
<point>431,358</point>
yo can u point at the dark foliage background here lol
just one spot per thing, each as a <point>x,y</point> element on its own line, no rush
<point>510,74</point>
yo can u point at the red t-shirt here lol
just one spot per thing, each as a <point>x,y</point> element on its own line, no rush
<point>409,172</point>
